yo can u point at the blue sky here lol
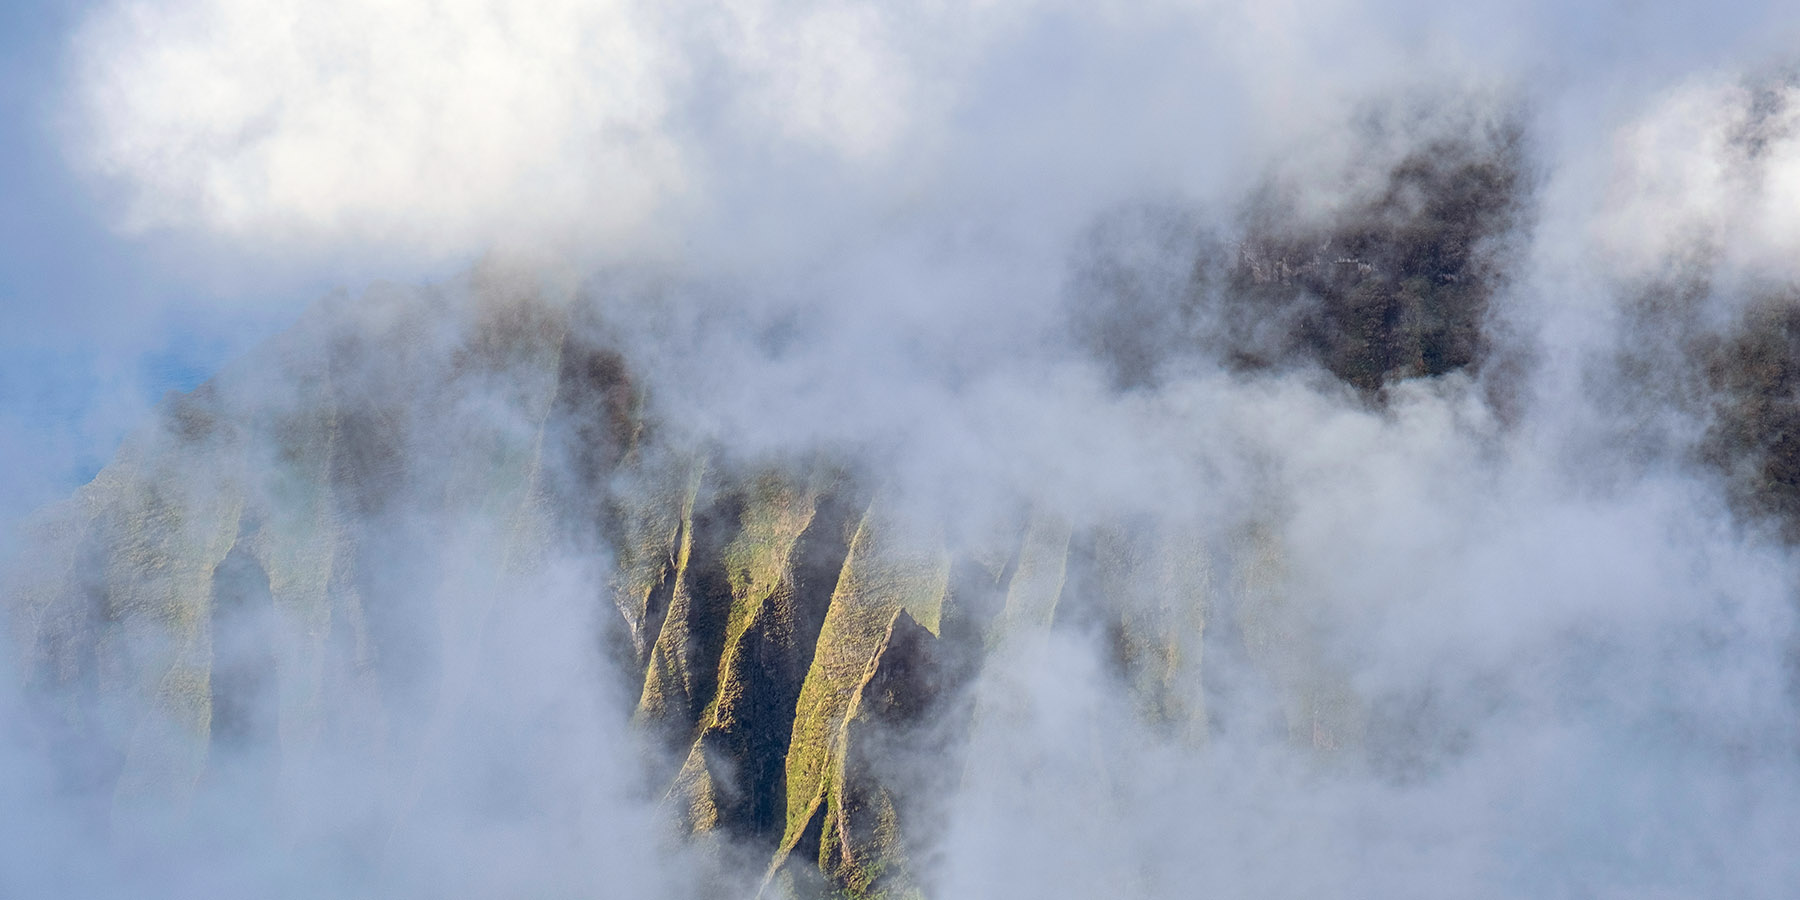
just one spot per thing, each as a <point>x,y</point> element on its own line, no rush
<point>98,324</point>
<point>62,271</point>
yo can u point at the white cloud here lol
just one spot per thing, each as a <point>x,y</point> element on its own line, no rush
<point>415,123</point>
<point>933,161</point>
<point>444,127</point>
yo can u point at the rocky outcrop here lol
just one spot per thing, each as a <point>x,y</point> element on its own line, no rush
<point>312,551</point>
<point>1752,375</point>
<point>1395,283</point>
<point>1395,287</point>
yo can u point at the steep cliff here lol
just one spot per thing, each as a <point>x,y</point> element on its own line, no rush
<point>308,555</point>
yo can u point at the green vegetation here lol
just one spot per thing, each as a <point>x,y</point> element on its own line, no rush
<point>883,577</point>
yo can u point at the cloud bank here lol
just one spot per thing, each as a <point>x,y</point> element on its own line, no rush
<point>1444,352</point>
<point>451,127</point>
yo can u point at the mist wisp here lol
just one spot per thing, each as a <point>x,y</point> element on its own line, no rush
<point>994,450</point>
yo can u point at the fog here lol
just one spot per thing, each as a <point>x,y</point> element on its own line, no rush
<point>1430,372</point>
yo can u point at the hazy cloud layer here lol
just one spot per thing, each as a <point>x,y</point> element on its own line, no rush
<point>448,127</point>
<point>879,231</point>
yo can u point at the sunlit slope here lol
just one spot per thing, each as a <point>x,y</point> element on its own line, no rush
<point>306,560</point>
<point>304,556</point>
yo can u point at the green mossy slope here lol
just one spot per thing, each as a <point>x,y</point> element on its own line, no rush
<point>885,574</point>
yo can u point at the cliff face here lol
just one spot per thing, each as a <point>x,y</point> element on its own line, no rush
<point>308,554</point>
<point>311,555</point>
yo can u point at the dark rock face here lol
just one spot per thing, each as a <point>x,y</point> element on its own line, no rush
<point>1711,336</point>
<point>1752,375</point>
<point>1395,285</point>
<point>1395,288</point>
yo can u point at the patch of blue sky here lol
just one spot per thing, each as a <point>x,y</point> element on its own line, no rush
<point>88,342</point>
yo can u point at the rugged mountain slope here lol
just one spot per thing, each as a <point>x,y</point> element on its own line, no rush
<point>307,553</point>
<point>309,556</point>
